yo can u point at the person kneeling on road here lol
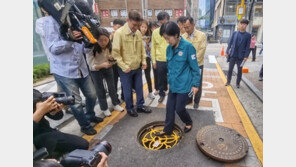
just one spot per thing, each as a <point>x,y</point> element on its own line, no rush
<point>56,142</point>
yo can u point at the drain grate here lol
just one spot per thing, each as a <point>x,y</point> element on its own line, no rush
<point>148,140</point>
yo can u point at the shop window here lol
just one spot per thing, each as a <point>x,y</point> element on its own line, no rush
<point>157,11</point>
<point>178,12</point>
<point>149,13</point>
<point>169,11</point>
<point>105,13</point>
<point>123,13</point>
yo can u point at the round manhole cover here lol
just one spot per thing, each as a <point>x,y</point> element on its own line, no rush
<point>221,143</point>
<point>148,140</point>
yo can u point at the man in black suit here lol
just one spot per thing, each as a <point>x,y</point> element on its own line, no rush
<point>238,49</point>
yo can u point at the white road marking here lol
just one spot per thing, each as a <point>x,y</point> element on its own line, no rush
<point>211,76</point>
<point>212,59</point>
<point>104,132</point>
<point>206,91</point>
<point>208,86</point>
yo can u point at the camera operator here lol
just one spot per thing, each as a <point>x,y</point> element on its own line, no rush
<point>54,163</point>
<point>56,142</point>
<point>68,66</point>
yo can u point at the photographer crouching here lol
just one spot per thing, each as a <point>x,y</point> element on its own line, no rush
<point>57,143</point>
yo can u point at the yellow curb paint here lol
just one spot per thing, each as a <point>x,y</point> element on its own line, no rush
<point>249,128</point>
<point>107,120</point>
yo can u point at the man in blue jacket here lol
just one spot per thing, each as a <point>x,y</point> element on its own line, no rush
<point>238,49</point>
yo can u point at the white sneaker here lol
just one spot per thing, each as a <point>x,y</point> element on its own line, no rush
<point>156,92</point>
<point>151,95</point>
<point>118,108</point>
<point>107,113</point>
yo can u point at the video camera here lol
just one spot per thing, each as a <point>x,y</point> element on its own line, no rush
<point>86,158</point>
<point>73,14</point>
<point>60,97</point>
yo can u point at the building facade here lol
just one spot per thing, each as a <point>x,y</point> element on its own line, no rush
<point>257,24</point>
<point>39,56</point>
<point>225,19</point>
<point>206,14</point>
<point>192,10</point>
<point>118,9</point>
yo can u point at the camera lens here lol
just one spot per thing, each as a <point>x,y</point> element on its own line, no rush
<point>103,146</point>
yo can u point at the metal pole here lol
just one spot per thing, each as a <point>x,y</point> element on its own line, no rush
<point>146,8</point>
<point>126,6</point>
<point>142,4</point>
<point>223,21</point>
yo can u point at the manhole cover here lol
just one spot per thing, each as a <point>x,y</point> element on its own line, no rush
<point>148,140</point>
<point>221,143</point>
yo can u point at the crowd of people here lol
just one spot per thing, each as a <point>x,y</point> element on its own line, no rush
<point>174,53</point>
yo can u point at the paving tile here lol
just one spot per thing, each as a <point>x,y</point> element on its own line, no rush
<point>240,129</point>
<point>228,125</point>
<point>252,161</point>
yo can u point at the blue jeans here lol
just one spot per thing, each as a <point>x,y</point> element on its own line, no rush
<point>71,87</point>
<point>261,72</point>
<point>133,78</point>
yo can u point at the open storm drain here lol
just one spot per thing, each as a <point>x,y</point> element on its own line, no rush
<point>148,140</point>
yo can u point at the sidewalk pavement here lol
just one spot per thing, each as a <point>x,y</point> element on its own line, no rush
<point>251,79</point>
<point>218,100</point>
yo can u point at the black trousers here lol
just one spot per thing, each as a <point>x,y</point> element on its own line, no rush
<point>155,79</point>
<point>261,72</point>
<point>162,71</point>
<point>98,77</point>
<point>116,76</point>
<point>232,62</point>
<point>176,103</point>
<point>198,94</point>
<point>58,143</point>
<point>147,74</point>
<point>253,50</point>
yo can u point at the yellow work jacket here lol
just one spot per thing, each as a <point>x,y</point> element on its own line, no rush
<point>128,49</point>
<point>199,41</point>
<point>158,47</point>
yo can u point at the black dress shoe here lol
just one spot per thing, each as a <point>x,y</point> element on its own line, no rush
<point>227,84</point>
<point>88,131</point>
<point>195,106</point>
<point>161,98</point>
<point>162,133</point>
<point>237,86</point>
<point>187,129</point>
<point>144,110</point>
<point>96,119</point>
<point>132,113</point>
